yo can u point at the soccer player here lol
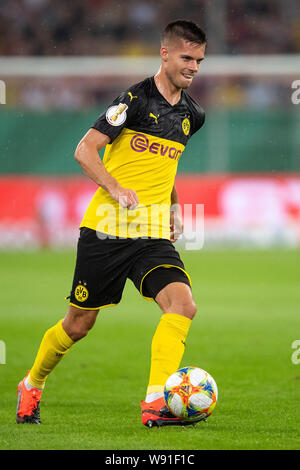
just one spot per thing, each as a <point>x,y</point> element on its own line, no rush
<point>130,225</point>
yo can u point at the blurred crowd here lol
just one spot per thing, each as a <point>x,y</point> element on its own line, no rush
<point>133,27</point>
<point>106,27</point>
<point>70,93</point>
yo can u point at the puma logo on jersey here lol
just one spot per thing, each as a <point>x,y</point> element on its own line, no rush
<point>131,96</point>
<point>154,117</point>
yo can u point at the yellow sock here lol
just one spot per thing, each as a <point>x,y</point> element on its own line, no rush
<point>167,349</point>
<point>55,344</point>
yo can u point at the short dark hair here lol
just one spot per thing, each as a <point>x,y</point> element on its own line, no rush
<point>184,29</point>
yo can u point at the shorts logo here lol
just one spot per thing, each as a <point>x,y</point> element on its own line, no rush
<point>116,115</point>
<point>186,126</point>
<point>81,293</point>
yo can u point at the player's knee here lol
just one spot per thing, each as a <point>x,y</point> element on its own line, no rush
<point>185,307</point>
<point>189,309</point>
<point>78,332</point>
<point>78,323</point>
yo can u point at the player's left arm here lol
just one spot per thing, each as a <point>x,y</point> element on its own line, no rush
<point>176,224</point>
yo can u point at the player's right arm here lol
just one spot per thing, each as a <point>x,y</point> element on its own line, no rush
<point>88,157</point>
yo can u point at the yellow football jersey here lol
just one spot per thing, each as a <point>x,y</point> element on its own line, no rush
<point>148,137</point>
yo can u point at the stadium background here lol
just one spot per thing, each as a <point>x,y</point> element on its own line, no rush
<point>101,48</point>
<point>62,62</point>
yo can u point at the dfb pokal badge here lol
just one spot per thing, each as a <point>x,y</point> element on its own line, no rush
<point>116,115</point>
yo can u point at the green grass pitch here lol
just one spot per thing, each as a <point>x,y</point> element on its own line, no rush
<point>248,317</point>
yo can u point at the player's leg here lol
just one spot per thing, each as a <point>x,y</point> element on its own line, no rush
<point>171,290</point>
<point>86,298</point>
<point>168,343</point>
<point>92,289</point>
<point>159,275</point>
<point>55,344</point>
<point>78,322</point>
<point>58,340</point>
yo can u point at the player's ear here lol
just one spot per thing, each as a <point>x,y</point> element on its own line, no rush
<point>164,53</point>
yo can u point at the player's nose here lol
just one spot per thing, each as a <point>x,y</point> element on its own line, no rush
<point>193,67</point>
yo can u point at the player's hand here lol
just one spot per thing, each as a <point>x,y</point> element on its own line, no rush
<point>176,226</point>
<point>127,198</point>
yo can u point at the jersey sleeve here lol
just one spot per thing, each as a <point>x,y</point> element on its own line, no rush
<point>198,119</point>
<point>123,111</point>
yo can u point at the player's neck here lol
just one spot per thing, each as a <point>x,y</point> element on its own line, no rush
<point>171,93</point>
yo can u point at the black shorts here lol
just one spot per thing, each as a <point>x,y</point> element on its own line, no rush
<point>103,266</point>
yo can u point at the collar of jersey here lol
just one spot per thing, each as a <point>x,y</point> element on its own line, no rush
<point>162,96</point>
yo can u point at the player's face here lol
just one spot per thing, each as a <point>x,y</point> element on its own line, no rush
<point>182,61</point>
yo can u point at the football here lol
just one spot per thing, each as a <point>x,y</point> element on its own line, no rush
<point>191,393</point>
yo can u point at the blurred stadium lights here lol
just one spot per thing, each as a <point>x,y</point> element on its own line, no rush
<point>120,66</point>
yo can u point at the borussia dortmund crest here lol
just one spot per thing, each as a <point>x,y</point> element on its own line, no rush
<point>81,292</point>
<point>186,126</point>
